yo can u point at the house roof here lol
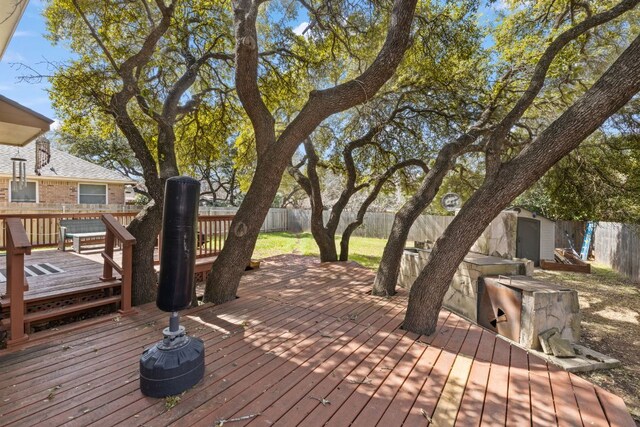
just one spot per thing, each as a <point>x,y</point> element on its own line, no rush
<point>19,124</point>
<point>10,14</point>
<point>63,166</point>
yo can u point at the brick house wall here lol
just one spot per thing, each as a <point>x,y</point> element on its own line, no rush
<point>116,194</point>
<point>63,192</point>
<point>4,190</point>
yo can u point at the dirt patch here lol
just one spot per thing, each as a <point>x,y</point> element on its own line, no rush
<point>610,308</point>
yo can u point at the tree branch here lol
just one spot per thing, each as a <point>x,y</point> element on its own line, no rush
<point>537,80</point>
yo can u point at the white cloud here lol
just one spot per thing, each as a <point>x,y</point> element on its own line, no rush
<point>23,34</point>
<point>55,125</point>
<point>500,5</point>
<point>300,28</point>
<point>12,56</point>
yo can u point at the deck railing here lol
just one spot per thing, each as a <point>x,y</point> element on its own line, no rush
<point>18,246</point>
<point>43,229</point>
<point>117,234</point>
<point>212,233</point>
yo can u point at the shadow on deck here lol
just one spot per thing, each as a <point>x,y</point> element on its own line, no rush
<point>304,344</point>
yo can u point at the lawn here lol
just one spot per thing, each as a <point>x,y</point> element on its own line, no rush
<point>363,250</point>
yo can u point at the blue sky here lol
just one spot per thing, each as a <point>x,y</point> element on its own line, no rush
<point>28,46</point>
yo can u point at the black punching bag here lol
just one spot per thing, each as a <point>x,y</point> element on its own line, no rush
<point>178,257</point>
<point>177,362</point>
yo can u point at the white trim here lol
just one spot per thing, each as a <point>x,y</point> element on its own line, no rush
<point>28,181</point>
<point>75,179</point>
<point>106,192</point>
<point>31,272</point>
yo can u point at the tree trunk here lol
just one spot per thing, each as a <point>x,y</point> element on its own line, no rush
<point>227,269</point>
<point>389,268</point>
<point>326,243</point>
<point>346,237</point>
<point>387,275</point>
<point>429,289</point>
<point>145,228</point>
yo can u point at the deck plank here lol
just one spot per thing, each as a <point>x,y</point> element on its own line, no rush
<point>519,393</point>
<point>495,403</point>
<point>564,398</point>
<point>542,408</point>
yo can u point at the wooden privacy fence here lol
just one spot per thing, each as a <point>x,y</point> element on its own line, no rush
<point>276,220</point>
<point>618,246</point>
<point>614,244</point>
<point>375,224</point>
<point>573,229</point>
<point>43,229</point>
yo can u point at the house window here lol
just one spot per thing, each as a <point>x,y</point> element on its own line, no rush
<point>26,194</point>
<point>95,194</point>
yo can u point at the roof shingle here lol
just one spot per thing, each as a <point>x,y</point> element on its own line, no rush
<point>62,165</point>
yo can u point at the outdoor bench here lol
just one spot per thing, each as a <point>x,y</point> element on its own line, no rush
<point>79,229</point>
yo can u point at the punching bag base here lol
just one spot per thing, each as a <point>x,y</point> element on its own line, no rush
<point>167,371</point>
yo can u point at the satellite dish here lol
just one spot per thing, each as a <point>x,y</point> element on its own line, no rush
<point>451,202</point>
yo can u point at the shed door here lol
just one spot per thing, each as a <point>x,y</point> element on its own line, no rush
<point>528,240</point>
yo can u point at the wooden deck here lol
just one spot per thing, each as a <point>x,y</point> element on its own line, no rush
<point>303,345</point>
<point>78,269</point>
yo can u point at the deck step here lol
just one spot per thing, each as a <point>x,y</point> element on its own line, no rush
<point>54,294</point>
<point>63,311</point>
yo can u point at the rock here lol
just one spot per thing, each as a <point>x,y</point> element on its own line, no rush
<point>544,339</point>
<point>561,347</point>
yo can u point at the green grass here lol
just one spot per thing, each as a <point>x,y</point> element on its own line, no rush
<point>363,250</point>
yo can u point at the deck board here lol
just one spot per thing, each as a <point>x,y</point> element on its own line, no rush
<point>299,332</point>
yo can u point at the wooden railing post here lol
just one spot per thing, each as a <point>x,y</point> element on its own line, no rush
<point>107,269</point>
<point>127,274</point>
<point>18,246</point>
<point>117,231</point>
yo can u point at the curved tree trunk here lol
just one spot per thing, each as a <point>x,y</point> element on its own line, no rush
<point>373,195</point>
<point>326,243</point>
<point>387,275</point>
<point>227,269</point>
<point>145,227</point>
<point>346,237</point>
<point>429,289</point>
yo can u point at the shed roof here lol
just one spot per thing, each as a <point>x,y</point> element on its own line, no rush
<point>62,166</point>
<point>534,214</point>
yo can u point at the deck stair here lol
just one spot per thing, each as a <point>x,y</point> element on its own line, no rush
<point>47,306</point>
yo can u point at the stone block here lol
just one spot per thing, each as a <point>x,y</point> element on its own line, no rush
<point>544,340</point>
<point>526,267</point>
<point>561,347</point>
<point>497,269</point>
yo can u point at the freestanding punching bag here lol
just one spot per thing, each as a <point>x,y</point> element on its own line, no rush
<point>177,362</point>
